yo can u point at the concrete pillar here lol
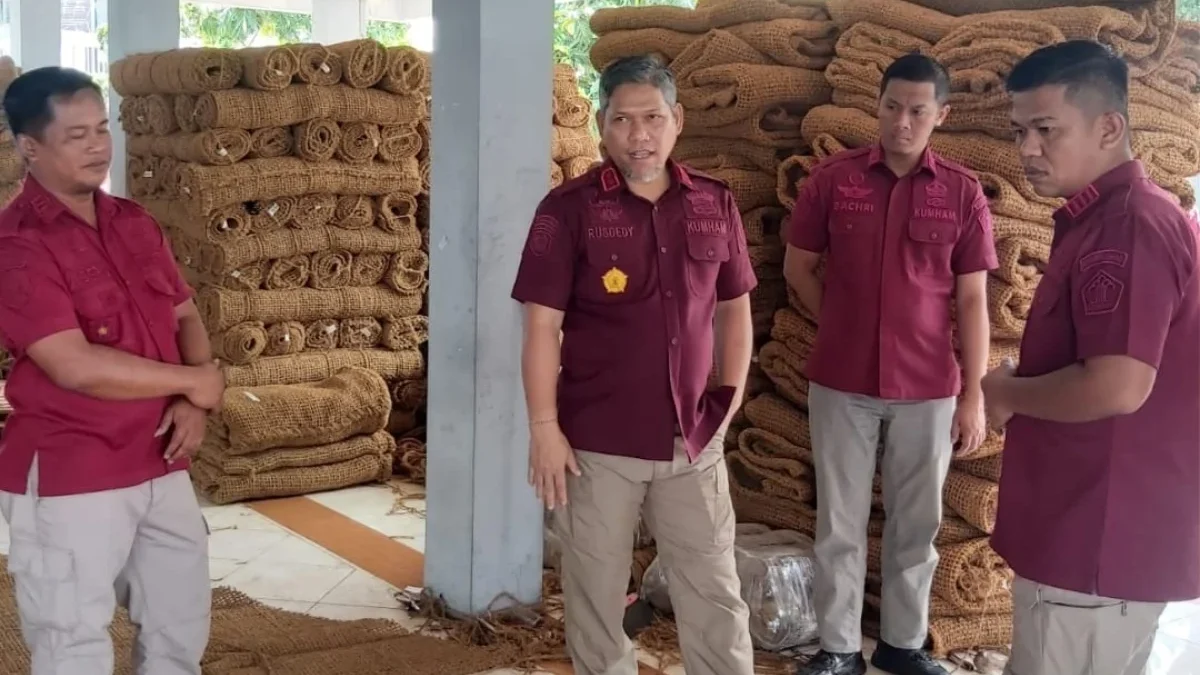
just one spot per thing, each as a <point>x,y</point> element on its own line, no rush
<point>36,29</point>
<point>491,150</point>
<point>135,27</point>
<point>336,21</point>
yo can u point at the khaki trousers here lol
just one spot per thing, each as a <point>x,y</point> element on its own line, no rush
<point>846,430</point>
<point>73,558</point>
<point>1058,632</point>
<point>687,508</point>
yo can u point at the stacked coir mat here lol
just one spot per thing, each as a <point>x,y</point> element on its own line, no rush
<point>573,148</point>
<point>287,179</point>
<point>972,603</point>
<point>12,167</point>
<point>747,72</point>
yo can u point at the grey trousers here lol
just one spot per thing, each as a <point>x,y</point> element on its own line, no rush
<point>846,430</point>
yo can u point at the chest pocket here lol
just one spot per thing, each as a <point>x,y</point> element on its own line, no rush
<point>616,271</point>
<point>705,255</point>
<point>101,306</point>
<point>931,245</point>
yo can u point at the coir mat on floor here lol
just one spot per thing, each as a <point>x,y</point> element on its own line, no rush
<point>249,638</point>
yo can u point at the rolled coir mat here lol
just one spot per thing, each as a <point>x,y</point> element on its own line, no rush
<point>786,370</point>
<point>251,109</point>
<point>799,43</point>
<point>216,452</point>
<point>132,115</point>
<point>353,212</point>
<point>974,499</point>
<point>773,414</point>
<point>399,142</point>
<point>321,334</point>
<point>223,308</point>
<point>409,273</point>
<point>284,339</point>
<point>364,62</point>
<point>270,215</point>
<point>223,225</point>
<point>213,147</point>
<point>221,258</point>
<point>572,111</point>
<point>353,401</point>
<point>368,269</point>
<point>664,43</point>
<point>220,488</point>
<point>185,113</point>
<point>160,113</point>
<point>331,269</point>
<point>317,140</point>
<point>568,142</point>
<point>359,333</point>
<point>241,344</point>
<point>397,212</point>
<point>577,166</point>
<point>268,68</point>
<point>406,332</point>
<point>316,366</point>
<point>246,278</point>
<point>313,211</point>
<point>316,64</point>
<point>359,143</point>
<point>410,394</point>
<point>723,95</point>
<point>288,273</point>
<point>271,142</point>
<point>406,72</point>
<point>178,71</point>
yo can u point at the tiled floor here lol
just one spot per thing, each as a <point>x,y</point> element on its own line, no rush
<point>261,558</point>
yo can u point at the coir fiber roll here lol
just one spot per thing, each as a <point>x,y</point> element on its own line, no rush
<point>410,458</point>
<point>284,339</point>
<point>270,216</point>
<point>271,142</point>
<point>132,115</point>
<point>799,43</point>
<point>313,211</point>
<point>353,401</point>
<point>317,366</point>
<point>970,573</point>
<point>613,19</point>
<point>762,444</point>
<point>723,95</point>
<point>359,333</point>
<point>224,489</point>
<point>407,332</point>
<point>316,64</point>
<point>178,71</point>
<point>786,370</point>
<point>185,113</point>
<point>364,62</point>
<point>425,166</point>
<point>367,269</point>
<point>577,166</point>
<point>777,416</point>
<point>667,44</point>
<point>216,452</point>
<point>398,142</point>
<point>951,634</point>
<point>317,140</point>
<point>778,484</point>
<point>715,48</point>
<point>250,109</point>
<point>692,149</point>
<point>226,224</point>
<point>789,325</point>
<point>321,334</point>
<point>206,188</point>
<point>790,178</point>
<point>1021,261</point>
<point>242,344</point>
<point>752,504</point>
<point>1008,308</point>
<point>406,71</point>
<point>722,14</point>
<point>268,68</point>
<point>330,269</point>
<point>409,274</point>
<point>280,244</point>
<point>214,147</point>
<point>1007,202</point>
<point>397,213</point>
<point>568,142</point>
<point>354,212</point>
<point>972,498</point>
<point>751,188</point>
<point>288,273</point>
<point>160,113</point>
<point>573,111</point>
<point>986,469</point>
<point>247,278</point>
<point>359,143</point>
<point>223,309</point>
<point>410,394</point>
<point>763,224</point>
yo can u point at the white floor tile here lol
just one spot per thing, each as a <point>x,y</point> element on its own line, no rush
<point>219,569</point>
<point>243,545</point>
<point>236,517</point>
<point>350,613</point>
<point>272,580</point>
<point>3,537</point>
<point>296,549</point>
<point>1172,656</point>
<point>361,589</point>
<point>1181,621</point>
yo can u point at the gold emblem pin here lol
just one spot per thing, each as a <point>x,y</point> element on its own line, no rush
<point>615,281</point>
<point>103,331</point>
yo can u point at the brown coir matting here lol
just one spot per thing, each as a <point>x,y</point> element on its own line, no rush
<point>249,638</point>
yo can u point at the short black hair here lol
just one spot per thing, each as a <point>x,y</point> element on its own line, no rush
<point>1078,65</point>
<point>29,100</point>
<point>917,67</point>
<point>647,69</point>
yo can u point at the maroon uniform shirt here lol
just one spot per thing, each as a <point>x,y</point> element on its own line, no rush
<point>639,283</point>
<point>117,283</point>
<point>896,247</point>
<point>1112,507</point>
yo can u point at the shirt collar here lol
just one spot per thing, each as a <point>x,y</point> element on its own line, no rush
<point>49,208</point>
<point>611,179</point>
<point>1083,201</point>
<point>927,159</point>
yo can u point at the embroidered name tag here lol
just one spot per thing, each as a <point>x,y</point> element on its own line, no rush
<point>610,232</point>
<point>707,226</point>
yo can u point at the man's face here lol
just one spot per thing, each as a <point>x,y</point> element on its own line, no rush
<point>1058,141</point>
<point>908,114</point>
<point>75,150</point>
<point>639,131</point>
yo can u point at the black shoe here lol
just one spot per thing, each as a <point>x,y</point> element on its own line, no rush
<point>896,661</point>
<point>825,663</point>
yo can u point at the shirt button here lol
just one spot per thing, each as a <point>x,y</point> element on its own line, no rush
<point>662,249</point>
<point>711,253</point>
<point>674,341</point>
<point>933,235</point>
<point>670,294</point>
<point>614,257</point>
<point>849,226</point>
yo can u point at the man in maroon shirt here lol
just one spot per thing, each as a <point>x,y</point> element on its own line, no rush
<point>906,234</point>
<point>92,464</point>
<point>632,264</point>
<point>1100,498</point>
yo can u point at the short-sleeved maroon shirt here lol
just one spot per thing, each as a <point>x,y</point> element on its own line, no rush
<point>895,248</point>
<point>117,283</point>
<point>1112,507</point>
<point>639,283</point>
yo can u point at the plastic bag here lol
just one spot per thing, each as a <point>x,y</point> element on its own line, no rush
<point>777,570</point>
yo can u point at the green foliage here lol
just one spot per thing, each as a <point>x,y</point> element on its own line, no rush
<point>236,27</point>
<point>1188,9</point>
<point>573,37</point>
<point>389,33</point>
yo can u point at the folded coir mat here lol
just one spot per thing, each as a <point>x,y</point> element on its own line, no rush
<point>222,309</point>
<point>221,488</point>
<point>251,109</point>
<point>311,366</point>
<point>249,638</point>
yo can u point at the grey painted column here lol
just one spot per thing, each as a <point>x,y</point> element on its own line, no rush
<point>135,27</point>
<point>491,150</point>
<point>36,31</point>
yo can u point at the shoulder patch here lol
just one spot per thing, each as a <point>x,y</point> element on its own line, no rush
<point>576,183</point>
<point>697,173</point>
<point>955,167</point>
<point>1101,294</point>
<point>1108,256</point>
